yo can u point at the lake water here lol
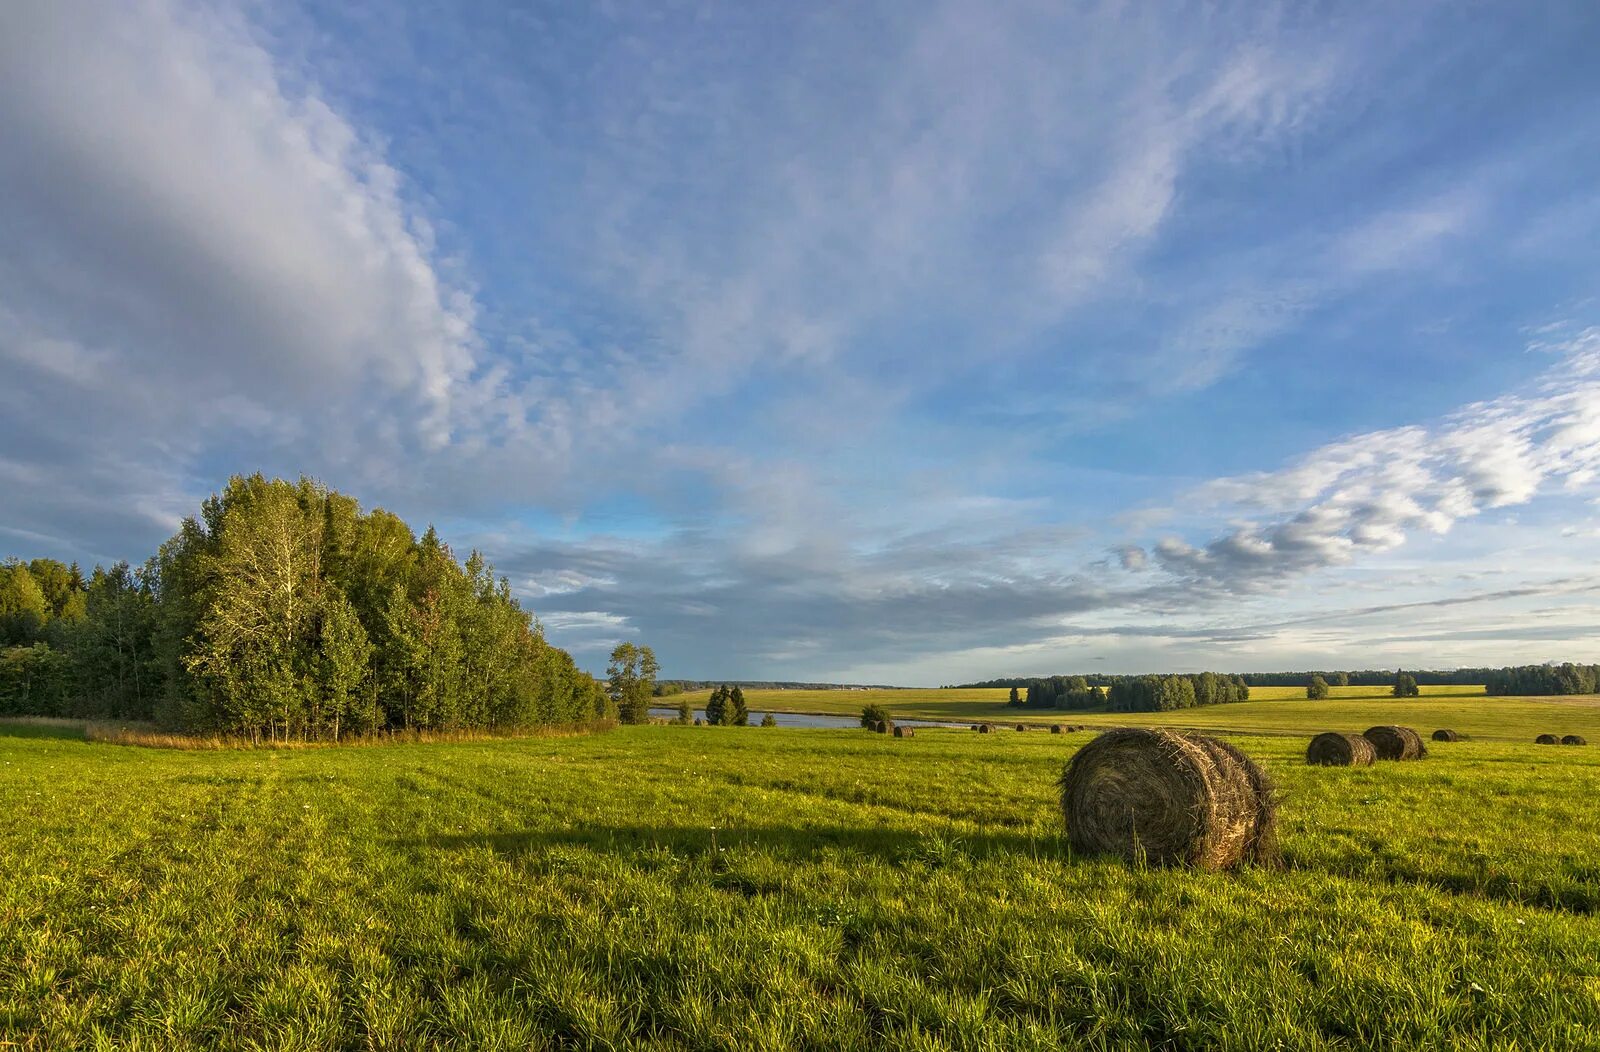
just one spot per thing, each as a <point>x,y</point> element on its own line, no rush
<point>803,719</point>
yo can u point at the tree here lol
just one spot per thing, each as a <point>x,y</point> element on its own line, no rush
<point>1016,699</point>
<point>344,657</point>
<point>717,706</point>
<point>24,610</point>
<point>873,714</point>
<point>632,678</point>
<point>738,712</point>
<point>1405,685</point>
<point>685,711</point>
<point>1317,688</point>
<point>769,720</point>
<point>1341,679</point>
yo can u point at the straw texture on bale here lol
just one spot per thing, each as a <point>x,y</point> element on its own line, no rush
<point>1396,743</point>
<point>1333,749</point>
<point>1168,799</point>
<point>904,732</point>
<point>1446,736</point>
<point>1574,739</point>
<point>1547,739</point>
<point>984,728</point>
<point>883,726</point>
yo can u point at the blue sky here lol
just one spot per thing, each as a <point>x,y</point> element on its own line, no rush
<point>899,343</point>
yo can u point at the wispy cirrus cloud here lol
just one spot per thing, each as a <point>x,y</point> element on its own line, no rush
<point>1369,493</point>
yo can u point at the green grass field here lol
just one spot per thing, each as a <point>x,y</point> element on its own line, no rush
<point>721,888</point>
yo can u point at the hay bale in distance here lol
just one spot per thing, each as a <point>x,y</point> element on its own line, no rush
<point>1022,726</point>
<point>1547,739</point>
<point>1335,749</point>
<point>904,732</point>
<point>1169,799</point>
<point>1055,728</point>
<point>1574,739</point>
<point>1396,743</point>
<point>985,728</point>
<point>698,722</point>
<point>1446,736</point>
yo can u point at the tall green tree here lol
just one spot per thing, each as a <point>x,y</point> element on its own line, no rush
<point>717,706</point>
<point>24,610</point>
<point>632,678</point>
<point>1317,688</point>
<point>738,711</point>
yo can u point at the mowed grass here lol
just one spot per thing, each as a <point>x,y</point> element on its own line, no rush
<point>747,888</point>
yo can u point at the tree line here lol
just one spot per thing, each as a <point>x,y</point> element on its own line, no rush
<point>1131,693</point>
<point>283,611</point>
<point>1566,678</point>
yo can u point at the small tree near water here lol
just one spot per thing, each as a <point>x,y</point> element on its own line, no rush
<point>873,714</point>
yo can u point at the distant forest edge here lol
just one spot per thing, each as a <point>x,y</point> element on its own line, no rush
<point>1088,690</point>
<point>285,612</point>
<point>667,688</point>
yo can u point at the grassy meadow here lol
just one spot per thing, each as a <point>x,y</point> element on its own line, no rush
<point>747,888</point>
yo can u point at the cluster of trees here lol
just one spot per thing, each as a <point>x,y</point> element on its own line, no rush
<point>283,611</point>
<point>726,707</point>
<point>1165,693</point>
<point>1566,678</point>
<point>1062,692</point>
<point>1130,693</point>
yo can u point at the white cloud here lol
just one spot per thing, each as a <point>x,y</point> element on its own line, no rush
<point>195,251</point>
<point>1369,493</point>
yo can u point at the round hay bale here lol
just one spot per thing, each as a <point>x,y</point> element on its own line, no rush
<point>1022,726</point>
<point>1396,743</point>
<point>1055,728</point>
<point>974,726</point>
<point>1168,799</point>
<point>985,728</point>
<point>1334,749</point>
<point>1446,736</point>
<point>884,726</point>
<point>698,722</point>
<point>1574,739</point>
<point>904,732</point>
<point>1547,739</point>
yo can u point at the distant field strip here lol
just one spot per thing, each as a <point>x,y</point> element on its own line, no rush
<point>1464,709</point>
<point>748,888</point>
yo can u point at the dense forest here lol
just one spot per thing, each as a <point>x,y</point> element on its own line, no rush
<point>1544,679</point>
<point>283,611</point>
